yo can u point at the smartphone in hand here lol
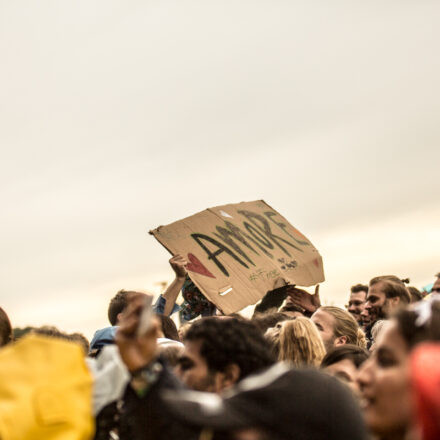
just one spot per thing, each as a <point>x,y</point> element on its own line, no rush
<point>145,316</point>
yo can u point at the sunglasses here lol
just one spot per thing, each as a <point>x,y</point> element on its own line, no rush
<point>437,290</point>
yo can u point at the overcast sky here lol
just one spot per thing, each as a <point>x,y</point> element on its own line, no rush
<point>119,116</point>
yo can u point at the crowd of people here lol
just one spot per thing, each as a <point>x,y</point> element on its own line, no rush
<point>295,370</point>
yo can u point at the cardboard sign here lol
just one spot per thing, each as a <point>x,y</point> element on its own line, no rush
<point>236,253</point>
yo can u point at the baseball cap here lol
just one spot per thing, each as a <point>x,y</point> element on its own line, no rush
<point>285,403</point>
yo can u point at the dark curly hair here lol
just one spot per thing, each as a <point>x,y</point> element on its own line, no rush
<point>231,341</point>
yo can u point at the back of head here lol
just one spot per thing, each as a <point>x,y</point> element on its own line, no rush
<point>346,325</point>
<point>231,341</point>
<point>393,287</point>
<point>300,343</point>
<point>5,328</point>
<point>51,331</point>
<point>171,353</point>
<point>415,294</point>
<point>419,322</point>
<point>355,354</point>
<point>117,304</point>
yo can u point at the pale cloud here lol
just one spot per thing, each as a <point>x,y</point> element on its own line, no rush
<point>116,118</point>
<point>406,245</point>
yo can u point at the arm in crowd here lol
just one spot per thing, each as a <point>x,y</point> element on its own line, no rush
<point>166,303</point>
<point>178,264</point>
<point>308,302</point>
<point>144,416</point>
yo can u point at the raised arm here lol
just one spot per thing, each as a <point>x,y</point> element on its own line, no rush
<point>170,295</point>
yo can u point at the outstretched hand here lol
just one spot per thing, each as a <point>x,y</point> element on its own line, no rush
<point>303,299</point>
<point>136,350</point>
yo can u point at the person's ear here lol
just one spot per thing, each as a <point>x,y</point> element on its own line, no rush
<point>227,378</point>
<point>118,317</point>
<point>232,375</point>
<point>342,340</point>
<point>394,302</point>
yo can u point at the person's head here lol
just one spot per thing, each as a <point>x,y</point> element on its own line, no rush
<point>415,294</point>
<point>386,293</point>
<point>118,304</point>
<point>384,379</point>
<point>356,302</point>
<point>220,352</point>
<point>436,287</point>
<point>170,351</point>
<point>54,332</point>
<point>338,327</point>
<point>343,362</point>
<point>300,343</point>
<point>51,331</point>
<point>5,328</point>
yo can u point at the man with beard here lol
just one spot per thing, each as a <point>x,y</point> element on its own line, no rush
<point>386,293</point>
<point>356,302</point>
<point>337,327</point>
<point>278,404</point>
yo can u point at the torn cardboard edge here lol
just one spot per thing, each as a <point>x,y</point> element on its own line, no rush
<point>239,251</point>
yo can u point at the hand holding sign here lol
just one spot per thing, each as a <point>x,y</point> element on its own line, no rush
<point>178,264</point>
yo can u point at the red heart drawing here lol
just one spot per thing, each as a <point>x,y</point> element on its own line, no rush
<point>196,266</point>
<point>316,262</point>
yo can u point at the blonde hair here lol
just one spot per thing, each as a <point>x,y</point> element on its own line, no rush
<point>346,325</point>
<point>300,343</point>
